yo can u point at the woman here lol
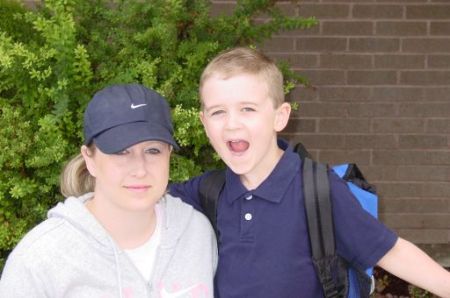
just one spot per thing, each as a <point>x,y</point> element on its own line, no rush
<point>118,234</point>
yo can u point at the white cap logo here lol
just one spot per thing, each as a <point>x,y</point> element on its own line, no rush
<point>137,106</point>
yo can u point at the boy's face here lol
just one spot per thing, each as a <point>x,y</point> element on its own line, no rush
<point>242,123</point>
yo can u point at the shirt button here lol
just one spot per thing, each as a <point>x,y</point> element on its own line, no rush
<point>248,216</point>
<point>249,198</point>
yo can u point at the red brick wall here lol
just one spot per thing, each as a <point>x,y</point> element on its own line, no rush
<point>381,98</point>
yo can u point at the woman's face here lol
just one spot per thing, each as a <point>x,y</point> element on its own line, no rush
<point>131,180</point>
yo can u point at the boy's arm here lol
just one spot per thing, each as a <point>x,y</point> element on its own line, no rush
<point>188,192</point>
<point>410,263</point>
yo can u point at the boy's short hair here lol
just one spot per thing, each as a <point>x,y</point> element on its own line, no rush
<point>243,60</point>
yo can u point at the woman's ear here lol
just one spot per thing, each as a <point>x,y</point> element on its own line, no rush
<point>282,116</point>
<point>88,156</point>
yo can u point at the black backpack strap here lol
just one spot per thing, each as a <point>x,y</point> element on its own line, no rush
<point>301,151</point>
<point>318,208</point>
<point>329,267</point>
<point>209,190</point>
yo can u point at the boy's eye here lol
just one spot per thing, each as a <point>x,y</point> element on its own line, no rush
<point>217,112</point>
<point>248,109</point>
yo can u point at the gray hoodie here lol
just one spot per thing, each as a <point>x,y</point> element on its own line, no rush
<point>71,255</point>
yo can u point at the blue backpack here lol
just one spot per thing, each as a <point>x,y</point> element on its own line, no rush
<point>338,278</point>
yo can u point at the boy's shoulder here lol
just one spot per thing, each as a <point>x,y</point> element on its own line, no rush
<point>192,183</point>
<point>188,191</point>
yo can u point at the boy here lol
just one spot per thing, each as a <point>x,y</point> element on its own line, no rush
<point>264,248</point>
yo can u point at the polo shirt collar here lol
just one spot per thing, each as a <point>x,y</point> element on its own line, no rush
<point>274,186</point>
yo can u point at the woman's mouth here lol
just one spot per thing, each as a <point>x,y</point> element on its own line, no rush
<point>138,188</point>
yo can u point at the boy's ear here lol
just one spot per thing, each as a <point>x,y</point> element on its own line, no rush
<point>88,159</point>
<point>282,116</point>
<point>201,115</point>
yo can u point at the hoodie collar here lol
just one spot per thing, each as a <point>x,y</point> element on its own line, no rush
<point>74,211</point>
<point>176,216</point>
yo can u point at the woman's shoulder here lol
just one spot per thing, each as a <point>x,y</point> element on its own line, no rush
<point>41,238</point>
<point>182,212</point>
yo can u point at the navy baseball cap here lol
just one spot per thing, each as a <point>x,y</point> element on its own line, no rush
<point>120,116</point>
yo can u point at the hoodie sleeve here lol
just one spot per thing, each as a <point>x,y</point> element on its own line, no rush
<point>215,252</point>
<point>19,281</point>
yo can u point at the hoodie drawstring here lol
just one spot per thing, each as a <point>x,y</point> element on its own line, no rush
<point>119,276</point>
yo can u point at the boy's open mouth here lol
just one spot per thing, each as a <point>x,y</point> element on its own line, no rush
<point>238,146</point>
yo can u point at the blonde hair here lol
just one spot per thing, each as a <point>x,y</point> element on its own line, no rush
<point>75,179</point>
<point>243,60</point>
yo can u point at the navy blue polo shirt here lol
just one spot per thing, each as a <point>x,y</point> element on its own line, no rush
<point>264,248</point>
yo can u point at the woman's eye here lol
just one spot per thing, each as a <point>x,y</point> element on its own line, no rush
<point>123,152</point>
<point>153,151</point>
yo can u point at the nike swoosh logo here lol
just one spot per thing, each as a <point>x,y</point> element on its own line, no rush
<point>181,293</point>
<point>138,106</point>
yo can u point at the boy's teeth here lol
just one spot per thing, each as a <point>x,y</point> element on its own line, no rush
<point>238,146</point>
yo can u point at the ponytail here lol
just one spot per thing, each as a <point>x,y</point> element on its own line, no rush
<point>75,179</point>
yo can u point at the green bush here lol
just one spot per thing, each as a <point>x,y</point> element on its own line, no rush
<point>53,58</point>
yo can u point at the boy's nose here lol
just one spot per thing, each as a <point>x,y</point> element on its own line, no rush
<point>233,121</point>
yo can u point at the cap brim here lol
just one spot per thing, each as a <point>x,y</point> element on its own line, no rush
<point>119,138</point>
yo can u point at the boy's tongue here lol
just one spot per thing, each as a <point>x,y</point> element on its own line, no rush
<point>238,146</point>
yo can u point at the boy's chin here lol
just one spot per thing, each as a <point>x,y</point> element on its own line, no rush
<point>237,168</point>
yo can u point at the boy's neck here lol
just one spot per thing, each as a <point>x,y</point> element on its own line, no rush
<point>253,179</point>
